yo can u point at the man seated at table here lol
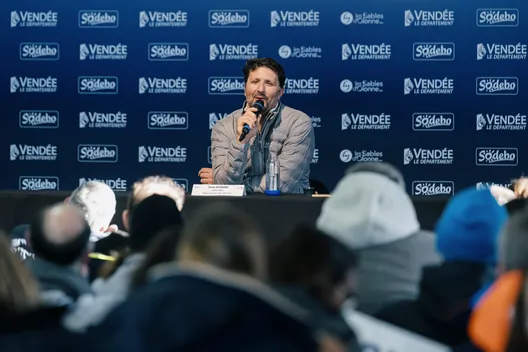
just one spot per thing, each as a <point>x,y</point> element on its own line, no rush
<point>279,128</point>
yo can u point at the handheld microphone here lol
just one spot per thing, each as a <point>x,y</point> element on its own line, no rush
<point>259,104</point>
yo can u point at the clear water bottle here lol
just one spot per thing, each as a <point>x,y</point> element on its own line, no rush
<point>273,176</point>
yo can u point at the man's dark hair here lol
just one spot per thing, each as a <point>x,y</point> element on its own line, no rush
<point>312,260</point>
<point>253,64</point>
<point>149,217</point>
<point>65,253</point>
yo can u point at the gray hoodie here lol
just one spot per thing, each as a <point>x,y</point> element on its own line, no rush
<point>92,309</point>
<point>373,216</point>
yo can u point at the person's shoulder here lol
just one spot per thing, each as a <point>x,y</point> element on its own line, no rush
<point>227,121</point>
<point>296,121</point>
<point>295,114</point>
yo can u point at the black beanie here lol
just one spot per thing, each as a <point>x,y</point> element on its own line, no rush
<point>149,217</point>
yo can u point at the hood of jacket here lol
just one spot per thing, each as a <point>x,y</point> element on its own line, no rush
<point>368,209</point>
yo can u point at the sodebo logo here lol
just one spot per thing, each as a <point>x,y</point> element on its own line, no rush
<point>98,19</point>
<point>168,51</point>
<point>496,156</point>
<point>168,120</point>
<point>97,153</point>
<point>226,85</point>
<point>39,51</point>
<point>433,51</point>
<point>38,119</point>
<point>433,121</point>
<point>497,86</point>
<point>228,18</point>
<point>98,85</point>
<point>38,183</point>
<point>433,188</point>
<point>498,17</point>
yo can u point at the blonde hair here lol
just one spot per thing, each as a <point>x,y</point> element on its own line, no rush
<point>161,185</point>
<point>18,289</point>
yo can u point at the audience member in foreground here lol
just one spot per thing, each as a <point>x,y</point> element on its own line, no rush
<point>161,250</point>
<point>147,219</point>
<point>98,203</point>
<point>59,236</point>
<point>25,324</point>
<point>116,244</point>
<point>520,187</point>
<point>318,273</point>
<point>370,213</point>
<point>466,236</point>
<point>211,298</point>
<point>498,322</point>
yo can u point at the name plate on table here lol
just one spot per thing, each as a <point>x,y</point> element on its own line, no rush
<point>218,190</point>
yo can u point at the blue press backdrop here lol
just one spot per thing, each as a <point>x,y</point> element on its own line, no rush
<point>422,85</point>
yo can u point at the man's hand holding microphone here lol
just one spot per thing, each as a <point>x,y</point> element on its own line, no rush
<point>245,124</point>
<point>249,120</point>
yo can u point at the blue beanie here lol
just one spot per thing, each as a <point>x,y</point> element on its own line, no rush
<point>469,227</point>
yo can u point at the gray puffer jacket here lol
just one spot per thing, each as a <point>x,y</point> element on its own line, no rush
<point>286,131</point>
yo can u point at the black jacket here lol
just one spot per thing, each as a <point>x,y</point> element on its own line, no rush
<point>442,309</point>
<point>205,310</point>
<point>321,318</point>
<point>38,330</point>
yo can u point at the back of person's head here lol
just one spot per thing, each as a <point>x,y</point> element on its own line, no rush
<point>153,185</point>
<point>98,202</point>
<point>161,185</point>
<point>516,205</point>
<point>513,243</point>
<point>162,249</point>
<point>379,167</point>
<point>152,215</point>
<point>18,289</point>
<point>367,209</point>
<point>469,227</point>
<point>314,261</point>
<point>60,234</point>
<point>225,237</point>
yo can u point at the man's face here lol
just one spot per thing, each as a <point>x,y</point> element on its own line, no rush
<point>263,84</point>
